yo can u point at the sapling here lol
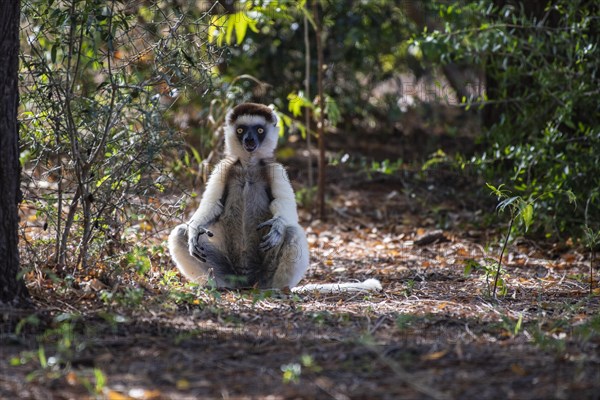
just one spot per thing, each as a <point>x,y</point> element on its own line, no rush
<point>520,209</point>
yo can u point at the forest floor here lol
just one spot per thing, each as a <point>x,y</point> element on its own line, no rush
<point>433,332</point>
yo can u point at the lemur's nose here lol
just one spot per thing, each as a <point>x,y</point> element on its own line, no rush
<point>250,144</point>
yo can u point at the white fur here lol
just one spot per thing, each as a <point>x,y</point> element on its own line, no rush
<point>233,147</point>
<point>284,200</point>
<point>187,265</point>
<point>370,285</point>
<point>210,208</point>
<point>210,205</point>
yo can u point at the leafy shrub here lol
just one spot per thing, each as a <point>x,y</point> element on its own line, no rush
<point>96,80</point>
<point>541,103</point>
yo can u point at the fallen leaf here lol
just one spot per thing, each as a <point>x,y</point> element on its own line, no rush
<point>434,356</point>
<point>517,369</point>
<point>72,378</point>
<point>182,384</point>
<point>112,395</point>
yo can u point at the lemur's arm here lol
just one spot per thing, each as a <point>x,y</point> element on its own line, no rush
<point>211,206</point>
<point>284,201</point>
<point>282,207</point>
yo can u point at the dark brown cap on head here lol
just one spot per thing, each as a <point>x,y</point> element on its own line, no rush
<point>251,109</point>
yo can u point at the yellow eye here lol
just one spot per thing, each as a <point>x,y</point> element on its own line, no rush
<point>260,130</point>
<point>240,130</point>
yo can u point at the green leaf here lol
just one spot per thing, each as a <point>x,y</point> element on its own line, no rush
<point>527,215</point>
<point>507,202</point>
<point>332,111</point>
<point>100,380</point>
<point>518,325</point>
<point>296,101</point>
<point>196,155</point>
<point>102,180</point>
<point>214,30</point>
<point>302,130</point>
<point>497,190</point>
<point>42,357</point>
<point>285,121</point>
<point>571,196</point>
<point>229,26</point>
<point>252,25</point>
<point>241,25</point>
<point>53,52</point>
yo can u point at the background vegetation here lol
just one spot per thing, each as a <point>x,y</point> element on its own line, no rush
<point>109,88</point>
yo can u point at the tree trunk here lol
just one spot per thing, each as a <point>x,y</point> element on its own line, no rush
<point>12,288</point>
<point>321,122</point>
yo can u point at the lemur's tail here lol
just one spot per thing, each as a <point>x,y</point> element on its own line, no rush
<point>370,285</point>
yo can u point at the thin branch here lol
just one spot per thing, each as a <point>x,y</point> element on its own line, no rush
<point>512,219</point>
<point>592,256</point>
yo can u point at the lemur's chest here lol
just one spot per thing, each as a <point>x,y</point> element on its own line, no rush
<point>248,189</point>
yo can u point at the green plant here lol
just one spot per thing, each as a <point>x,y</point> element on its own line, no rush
<point>539,108</point>
<point>511,326</point>
<point>325,111</point>
<point>495,276</point>
<point>305,197</point>
<point>259,295</point>
<point>291,373</point>
<point>96,78</point>
<point>321,318</point>
<point>409,287</point>
<point>386,167</point>
<point>57,347</point>
<point>128,297</point>
<point>98,384</point>
<point>308,362</point>
<point>520,210</point>
<point>139,260</point>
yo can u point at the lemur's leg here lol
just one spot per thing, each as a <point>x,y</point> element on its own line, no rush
<point>285,246</point>
<point>188,265</point>
<point>286,254</point>
<point>201,262</point>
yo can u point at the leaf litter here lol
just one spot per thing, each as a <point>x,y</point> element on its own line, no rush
<point>433,332</point>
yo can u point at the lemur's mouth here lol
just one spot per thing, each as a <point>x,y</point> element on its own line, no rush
<point>250,147</point>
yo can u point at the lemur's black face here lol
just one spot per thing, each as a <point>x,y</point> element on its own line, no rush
<point>250,136</point>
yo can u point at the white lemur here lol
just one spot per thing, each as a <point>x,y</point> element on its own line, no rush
<point>245,232</point>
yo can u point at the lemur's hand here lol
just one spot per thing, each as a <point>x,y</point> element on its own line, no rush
<point>275,235</point>
<point>197,238</point>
